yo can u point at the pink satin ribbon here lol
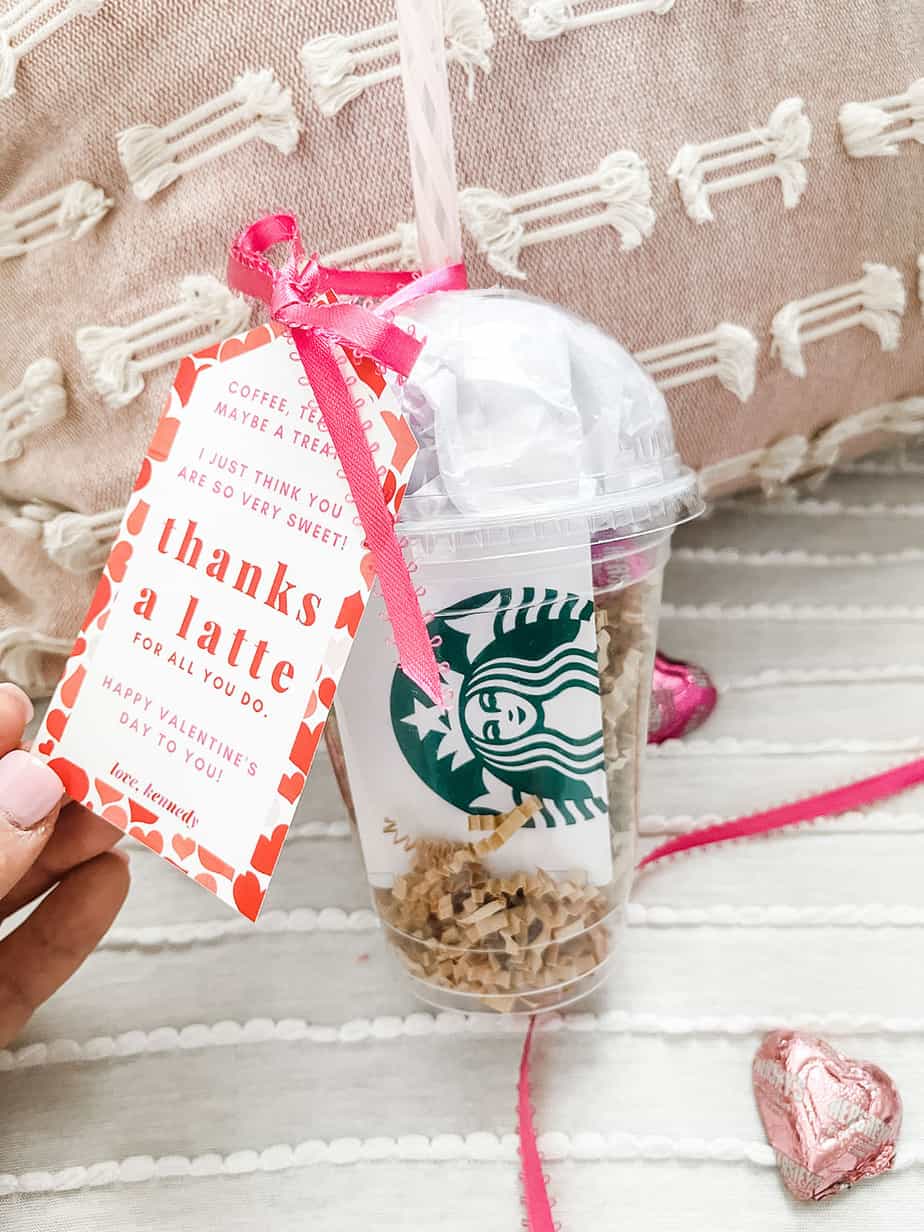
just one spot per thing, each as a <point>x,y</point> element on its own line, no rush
<point>826,804</point>
<point>535,1191</point>
<point>294,295</point>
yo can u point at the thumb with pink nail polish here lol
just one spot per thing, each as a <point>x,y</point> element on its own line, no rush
<point>29,791</point>
<point>44,846</point>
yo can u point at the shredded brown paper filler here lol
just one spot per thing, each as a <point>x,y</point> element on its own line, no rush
<point>500,938</point>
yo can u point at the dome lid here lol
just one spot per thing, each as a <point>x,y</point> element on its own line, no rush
<point>533,423</point>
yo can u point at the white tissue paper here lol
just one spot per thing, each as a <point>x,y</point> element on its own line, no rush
<point>518,407</point>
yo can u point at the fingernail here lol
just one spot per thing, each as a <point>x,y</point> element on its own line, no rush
<point>22,700</point>
<point>29,790</point>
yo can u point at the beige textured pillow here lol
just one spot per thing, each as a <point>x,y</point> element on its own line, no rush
<point>596,142</point>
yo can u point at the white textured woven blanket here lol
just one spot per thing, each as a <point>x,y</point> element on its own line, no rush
<point>199,1074</point>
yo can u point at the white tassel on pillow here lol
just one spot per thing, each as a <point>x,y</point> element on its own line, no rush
<point>37,401</point>
<point>781,461</point>
<point>22,652</point>
<point>736,359</point>
<point>469,38</point>
<point>78,542</point>
<point>502,228</point>
<point>877,129</point>
<point>256,107</point>
<point>118,356</point>
<point>339,67</point>
<point>27,518</point>
<point>785,142</point>
<point>728,353</point>
<point>904,418</point>
<point>545,19</point>
<point>67,213</point>
<point>876,301</point>
<point>26,23</point>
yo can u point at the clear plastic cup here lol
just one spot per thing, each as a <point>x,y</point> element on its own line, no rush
<point>499,833</point>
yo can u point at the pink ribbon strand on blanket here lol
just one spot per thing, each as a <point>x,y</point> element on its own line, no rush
<point>825,804</point>
<point>295,295</point>
<point>535,1191</point>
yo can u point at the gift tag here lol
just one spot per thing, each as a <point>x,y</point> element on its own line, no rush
<point>195,697</point>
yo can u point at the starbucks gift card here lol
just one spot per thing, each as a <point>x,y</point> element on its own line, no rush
<point>524,718</point>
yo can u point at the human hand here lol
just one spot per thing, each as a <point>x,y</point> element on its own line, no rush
<point>46,841</point>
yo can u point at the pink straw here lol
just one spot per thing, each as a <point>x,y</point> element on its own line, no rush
<point>421,34</point>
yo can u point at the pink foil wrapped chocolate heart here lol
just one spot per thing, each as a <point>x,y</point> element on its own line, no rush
<point>831,1121</point>
<point>682,697</point>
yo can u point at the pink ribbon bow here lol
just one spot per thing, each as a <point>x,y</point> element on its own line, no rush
<point>294,295</point>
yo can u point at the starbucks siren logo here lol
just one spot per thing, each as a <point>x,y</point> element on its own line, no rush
<point>524,716</point>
